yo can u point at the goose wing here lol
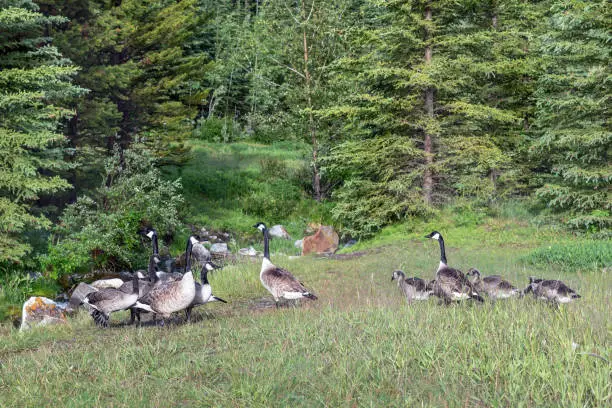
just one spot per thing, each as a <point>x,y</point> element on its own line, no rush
<point>101,295</point>
<point>282,280</point>
<point>418,283</point>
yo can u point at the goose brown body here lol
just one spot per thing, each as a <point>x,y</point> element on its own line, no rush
<point>551,290</point>
<point>413,288</point>
<point>494,285</point>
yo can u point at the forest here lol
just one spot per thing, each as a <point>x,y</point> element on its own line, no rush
<point>393,110</point>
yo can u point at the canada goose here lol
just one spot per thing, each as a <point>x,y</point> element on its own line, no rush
<point>104,302</point>
<point>413,288</point>
<point>494,285</point>
<point>203,291</point>
<point>278,281</point>
<point>551,290</point>
<point>171,297</point>
<point>451,284</point>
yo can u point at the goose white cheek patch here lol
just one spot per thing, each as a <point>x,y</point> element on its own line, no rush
<point>436,236</point>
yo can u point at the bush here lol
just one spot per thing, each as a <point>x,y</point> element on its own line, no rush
<point>585,255</point>
<point>102,231</point>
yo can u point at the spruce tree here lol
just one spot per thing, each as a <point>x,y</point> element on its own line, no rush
<point>35,92</point>
<point>573,113</point>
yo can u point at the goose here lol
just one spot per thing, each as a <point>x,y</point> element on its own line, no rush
<point>105,301</point>
<point>413,288</point>
<point>170,297</point>
<point>450,283</point>
<point>494,285</point>
<point>551,290</point>
<point>203,290</point>
<point>278,281</point>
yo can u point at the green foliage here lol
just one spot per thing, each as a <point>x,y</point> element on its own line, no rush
<point>583,255</point>
<point>35,91</point>
<point>101,231</point>
<point>573,102</point>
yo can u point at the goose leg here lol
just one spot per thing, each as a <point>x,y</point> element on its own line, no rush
<point>132,316</point>
<point>188,314</point>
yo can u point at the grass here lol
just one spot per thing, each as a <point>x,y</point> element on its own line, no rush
<point>360,344</point>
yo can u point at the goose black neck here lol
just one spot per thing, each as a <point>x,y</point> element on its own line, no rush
<point>204,275</point>
<point>135,283</point>
<point>442,251</point>
<point>266,244</point>
<point>188,255</point>
<point>151,268</point>
<point>155,244</point>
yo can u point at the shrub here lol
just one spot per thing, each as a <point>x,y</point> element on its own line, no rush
<point>585,255</point>
<point>102,231</point>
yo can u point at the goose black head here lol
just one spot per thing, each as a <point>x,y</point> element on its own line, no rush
<point>434,235</point>
<point>260,226</point>
<point>473,272</point>
<point>397,275</point>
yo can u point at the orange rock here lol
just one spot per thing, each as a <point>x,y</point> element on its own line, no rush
<point>324,241</point>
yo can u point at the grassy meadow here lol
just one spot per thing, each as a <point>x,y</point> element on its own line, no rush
<point>359,345</point>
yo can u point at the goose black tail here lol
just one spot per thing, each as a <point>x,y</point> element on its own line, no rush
<point>99,318</point>
<point>576,296</point>
<point>477,297</point>
<point>309,296</point>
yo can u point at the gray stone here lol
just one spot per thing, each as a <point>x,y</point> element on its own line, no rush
<point>107,283</point>
<point>299,244</point>
<point>278,231</point>
<point>78,294</point>
<point>200,253</point>
<point>350,243</point>
<point>219,249</point>
<point>40,311</point>
<point>250,251</point>
<point>212,237</point>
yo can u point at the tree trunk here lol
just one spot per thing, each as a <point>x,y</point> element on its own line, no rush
<point>316,177</point>
<point>429,109</point>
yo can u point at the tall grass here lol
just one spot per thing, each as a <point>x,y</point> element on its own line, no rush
<point>360,344</point>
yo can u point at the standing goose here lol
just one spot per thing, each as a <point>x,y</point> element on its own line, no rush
<point>203,291</point>
<point>106,301</point>
<point>494,285</point>
<point>451,284</point>
<point>413,288</point>
<point>551,290</point>
<point>170,297</point>
<point>278,281</point>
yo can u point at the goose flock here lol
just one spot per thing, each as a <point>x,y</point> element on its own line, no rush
<point>451,284</point>
<point>162,293</point>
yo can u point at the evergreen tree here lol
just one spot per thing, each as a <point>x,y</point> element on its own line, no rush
<point>573,113</point>
<point>35,92</point>
<point>443,84</point>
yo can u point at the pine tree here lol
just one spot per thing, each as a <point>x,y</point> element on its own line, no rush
<point>35,92</point>
<point>573,113</point>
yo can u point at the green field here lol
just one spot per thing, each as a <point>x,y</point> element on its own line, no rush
<point>360,344</point>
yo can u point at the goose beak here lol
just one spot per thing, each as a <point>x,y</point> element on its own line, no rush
<point>219,299</point>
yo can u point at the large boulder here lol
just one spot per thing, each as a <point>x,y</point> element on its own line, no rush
<point>219,249</point>
<point>40,311</point>
<point>250,251</point>
<point>324,241</point>
<point>114,283</point>
<point>78,294</point>
<point>278,231</point>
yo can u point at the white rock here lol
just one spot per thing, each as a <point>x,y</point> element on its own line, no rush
<point>219,248</point>
<point>278,231</point>
<point>107,283</point>
<point>40,311</point>
<point>250,251</point>
<point>299,244</point>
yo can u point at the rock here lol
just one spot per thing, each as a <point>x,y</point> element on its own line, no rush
<point>107,283</point>
<point>299,244</point>
<point>250,251</point>
<point>350,243</point>
<point>324,241</point>
<point>219,249</point>
<point>225,235</point>
<point>200,253</point>
<point>312,227</point>
<point>35,275</point>
<point>212,237</point>
<point>206,243</point>
<point>79,293</point>
<point>40,311</point>
<point>278,231</point>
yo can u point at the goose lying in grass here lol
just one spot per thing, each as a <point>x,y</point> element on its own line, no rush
<point>109,300</point>
<point>494,285</point>
<point>203,291</point>
<point>451,284</point>
<point>554,291</point>
<point>278,281</point>
<point>413,288</point>
<point>171,297</point>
